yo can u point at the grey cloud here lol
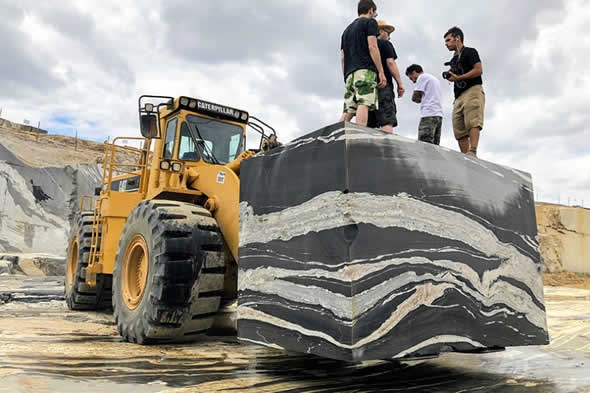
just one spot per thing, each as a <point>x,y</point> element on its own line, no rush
<point>236,31</point>
<point>65,19</point>
<point>243,32</point>
<point>82,28</point>
<point>23,71</point>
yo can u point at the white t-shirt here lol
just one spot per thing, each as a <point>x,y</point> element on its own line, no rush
<point>431,100</point>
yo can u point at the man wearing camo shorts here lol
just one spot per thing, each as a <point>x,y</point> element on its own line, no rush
<point>427,93</point>
<point>361,63</point>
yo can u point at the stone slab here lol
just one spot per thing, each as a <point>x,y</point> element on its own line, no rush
<point>358,245</point>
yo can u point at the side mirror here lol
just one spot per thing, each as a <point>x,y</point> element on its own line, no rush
<point>149,126</point>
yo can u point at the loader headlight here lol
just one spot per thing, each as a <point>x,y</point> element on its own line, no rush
<point>176,166</point>
<point>192,104</point>
<point>149,108</point>
<point>164,165</point>
<point>184,101</point>
<point>244,116</point>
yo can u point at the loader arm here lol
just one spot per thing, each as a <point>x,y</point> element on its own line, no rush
<point>221,184</point>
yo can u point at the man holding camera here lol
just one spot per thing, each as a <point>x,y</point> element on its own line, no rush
<point>468,108</point>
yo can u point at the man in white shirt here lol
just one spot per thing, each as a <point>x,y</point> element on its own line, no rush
<point>427,93</point>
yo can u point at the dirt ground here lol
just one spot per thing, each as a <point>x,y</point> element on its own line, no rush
<point>565,279</point>
<point>44,347</point>
<point>38,150</point>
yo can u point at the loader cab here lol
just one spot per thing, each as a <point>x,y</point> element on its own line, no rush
<point>188,133</point>
<point>192,130</point>
<point>191,137</point>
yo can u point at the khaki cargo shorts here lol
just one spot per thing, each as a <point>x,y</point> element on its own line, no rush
<point>361,89</point>
<point>468,111</point>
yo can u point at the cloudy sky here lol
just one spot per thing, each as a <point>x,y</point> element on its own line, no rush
<point>80,65</point>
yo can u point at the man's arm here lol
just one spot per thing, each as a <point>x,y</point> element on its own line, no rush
<point>342,60</point>
<point>392,65</point>
<point>417,96</point>
<point>474,73</point>
<point>376,56</point>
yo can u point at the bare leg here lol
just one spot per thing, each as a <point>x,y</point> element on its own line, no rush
<point>387,128</point>
<point>362,115</point>
<point>474,139</point>
<point>346,116</point>
<point>464,144</point>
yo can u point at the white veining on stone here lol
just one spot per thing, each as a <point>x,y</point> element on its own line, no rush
<point>256,315</point>
<point>335,209</point>
<point>263,343</point>
<point>271,281</point>
<point>440,339</point>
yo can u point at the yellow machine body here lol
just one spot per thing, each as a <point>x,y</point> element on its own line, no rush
<point>214,186</point>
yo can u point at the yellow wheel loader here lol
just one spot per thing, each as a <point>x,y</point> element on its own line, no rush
<point>160,243</point>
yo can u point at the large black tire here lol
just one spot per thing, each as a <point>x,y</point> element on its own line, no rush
<point>179,295</point>
<point>78,294</point>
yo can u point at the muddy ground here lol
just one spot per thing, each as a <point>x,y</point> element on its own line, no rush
<point>46,348</point>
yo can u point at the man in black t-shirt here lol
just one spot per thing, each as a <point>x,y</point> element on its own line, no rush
<point>386,116</point>
<point>361,64</point>
<point>468,108</point>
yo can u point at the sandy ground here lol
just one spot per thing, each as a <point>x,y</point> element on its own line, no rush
<point>565,279</point>
<point>46,348</point>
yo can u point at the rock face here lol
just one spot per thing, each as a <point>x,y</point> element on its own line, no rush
<point>564,238</point>
<point>357,245</point>
<point>36,203</point>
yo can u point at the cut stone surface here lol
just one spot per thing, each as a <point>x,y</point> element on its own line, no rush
<point>359,245</point>
<point>36,204</point>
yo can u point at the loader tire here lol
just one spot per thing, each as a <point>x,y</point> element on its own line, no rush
<point>169,273</point>
<point>78,294</point>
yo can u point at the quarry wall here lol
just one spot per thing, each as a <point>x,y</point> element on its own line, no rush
<point>23,127</point>
<point>36,204</point>
<point>564,237</point>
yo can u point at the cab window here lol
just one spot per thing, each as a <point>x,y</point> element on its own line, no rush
<point>187,151</point>
<point>170,137</point>
<point>222,142</point>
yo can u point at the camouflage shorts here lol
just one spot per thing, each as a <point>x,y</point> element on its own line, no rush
<point>429,129</point>
<point>361,89</point>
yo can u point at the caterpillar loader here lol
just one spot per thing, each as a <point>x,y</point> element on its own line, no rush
<point>160,242</point>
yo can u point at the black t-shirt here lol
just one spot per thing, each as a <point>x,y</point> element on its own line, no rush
<point>469,57</point>
<point>387,51</point>
<point>355,46</point>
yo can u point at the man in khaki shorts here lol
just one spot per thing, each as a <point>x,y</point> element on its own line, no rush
<point>466,71</point>
<point>361,64</point>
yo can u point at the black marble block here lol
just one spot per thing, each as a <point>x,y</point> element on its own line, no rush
<point>360,245</point>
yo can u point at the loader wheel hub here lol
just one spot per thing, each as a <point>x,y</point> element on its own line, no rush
<point>72,261</point>
<point>135,272</point>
